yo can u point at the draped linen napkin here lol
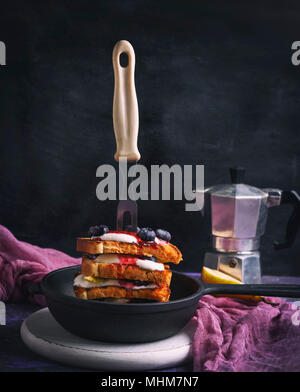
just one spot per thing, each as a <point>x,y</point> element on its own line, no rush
<point>236,336</point>
<point>22,264</point>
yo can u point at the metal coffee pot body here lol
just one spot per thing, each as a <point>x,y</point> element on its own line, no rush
<point>237,215</point>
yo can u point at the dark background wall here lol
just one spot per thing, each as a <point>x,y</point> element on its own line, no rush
<point>215,85</point>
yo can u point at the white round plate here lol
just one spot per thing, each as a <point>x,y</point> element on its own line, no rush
<point>43,335</point>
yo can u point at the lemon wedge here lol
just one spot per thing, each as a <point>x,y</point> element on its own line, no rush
<point>214,276</point>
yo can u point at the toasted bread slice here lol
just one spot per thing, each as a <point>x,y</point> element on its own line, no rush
<point>160,294</point>
<point>125,271</point>
<point>166,253</point>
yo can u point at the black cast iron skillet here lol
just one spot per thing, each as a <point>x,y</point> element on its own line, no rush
<point>136,322</point>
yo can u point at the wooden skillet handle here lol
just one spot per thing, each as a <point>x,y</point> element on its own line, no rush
<point>125,106</point>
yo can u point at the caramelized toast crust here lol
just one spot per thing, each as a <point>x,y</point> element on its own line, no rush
<point>161,293</point>
<point>167,253</point>
<point>124,271</point>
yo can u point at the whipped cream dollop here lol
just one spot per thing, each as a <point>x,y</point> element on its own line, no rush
<point>81,282</point>
<point>150,265</point>
<point>145,264</point>
<point>121,237</point>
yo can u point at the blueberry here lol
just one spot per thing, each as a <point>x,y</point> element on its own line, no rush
<point>103,229</point>
<point>97,230</point>
<point>163,235</point>
<point>152,258</point>
<point>93,230</point>
<point>91,257</point>
<point>139,282</point>
<point>130,228</point>
<point>147,234</point>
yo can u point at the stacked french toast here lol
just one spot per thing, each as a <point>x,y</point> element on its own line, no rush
<point>126,265</point>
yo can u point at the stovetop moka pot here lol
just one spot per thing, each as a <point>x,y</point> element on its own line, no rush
<point>237,214</point>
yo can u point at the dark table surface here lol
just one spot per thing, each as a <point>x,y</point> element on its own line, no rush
<point>15,356</point>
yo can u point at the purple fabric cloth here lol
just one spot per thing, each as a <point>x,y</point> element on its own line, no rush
<point>22,264</point>
<point>236,336</point>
